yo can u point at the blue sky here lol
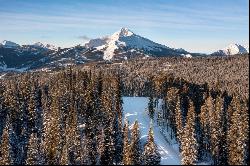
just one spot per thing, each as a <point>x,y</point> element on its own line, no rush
<point>195,25</point>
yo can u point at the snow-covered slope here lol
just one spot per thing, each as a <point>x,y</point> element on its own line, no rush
<point>9,44</point>
<point>125,40</point>
<point>232,49</point>
<point>134,109</point>
<point>246,47</point>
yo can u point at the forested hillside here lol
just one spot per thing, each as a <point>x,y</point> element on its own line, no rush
<point>75,116</point>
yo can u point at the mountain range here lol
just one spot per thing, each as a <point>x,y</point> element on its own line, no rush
<point>122,45</point>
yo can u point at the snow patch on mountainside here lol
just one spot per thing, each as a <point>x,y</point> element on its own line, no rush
<point>111,46</point>
<point>187,55</point>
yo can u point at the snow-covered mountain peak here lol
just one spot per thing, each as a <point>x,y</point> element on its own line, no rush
<point>123,32</point>
<point>45,46</point>
<point>235,49</point>
<point>39,44</point>
<point>232,49</point>
<point>125,40</point>
<point>9,44</point>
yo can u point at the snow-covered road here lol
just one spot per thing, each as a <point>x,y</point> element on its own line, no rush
<point>134,109</point>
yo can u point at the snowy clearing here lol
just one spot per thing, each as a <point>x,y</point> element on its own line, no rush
<point>135,109</point>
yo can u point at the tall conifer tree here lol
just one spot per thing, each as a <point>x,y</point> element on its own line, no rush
<point>188,142</point>
<point>151,156</point>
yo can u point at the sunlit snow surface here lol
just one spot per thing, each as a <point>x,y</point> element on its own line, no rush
<point>233,49</point>
<point>134,109</point>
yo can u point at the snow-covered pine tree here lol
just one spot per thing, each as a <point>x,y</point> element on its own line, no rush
<point>85,152</point>
<point>90,125</point>
<point>118,120</point>
<point>13,107</point>
<point>171,105</point>
<point>108,152</point>
<point>135,148</point>
<point>33,153</point>
<point>223,131</point>
<point>32,111</point>
<point>5,157</point>
<point>204,119</point>
<point>37,95</point>
<point>73,136</point>
<point>64,159</point>
<point>216,129</point>
<point>117,136</point>
<point>151,155</point>
<point>126,145</point>
<point>51,127</point>
<point>3,112</point>
<point>23,139</point>
<point>188,142</point>
<point>107,120</point>
<point>101,146</point>
<point>237,136</point>
<point>178,120</point>
<point>151,109</point>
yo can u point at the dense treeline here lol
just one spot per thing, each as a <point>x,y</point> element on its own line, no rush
<point>205,103</point>
<point>208,124</point>
<point>230,74</point>
<point>205,108</point>
<point>74,117</point>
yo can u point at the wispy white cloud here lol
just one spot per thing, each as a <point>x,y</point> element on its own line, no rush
<point>83,37</point>
<point>150,20</point>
